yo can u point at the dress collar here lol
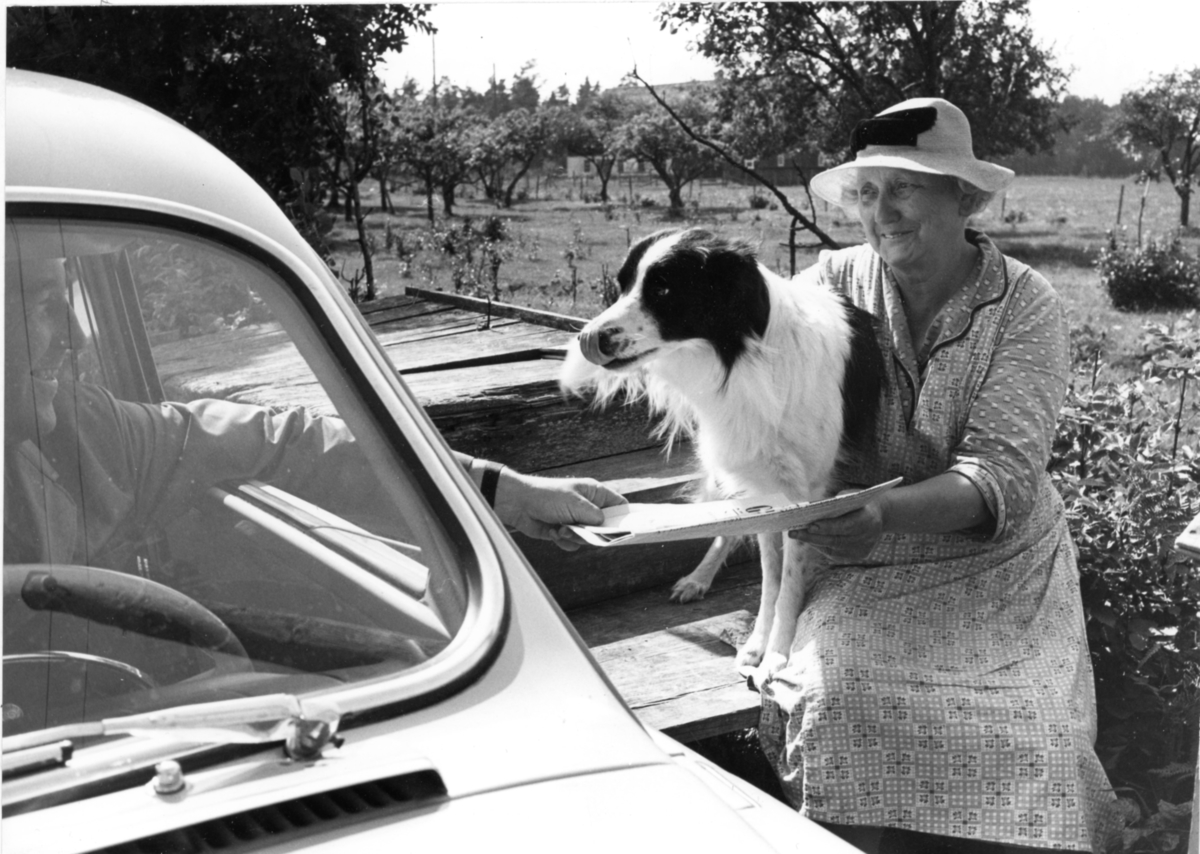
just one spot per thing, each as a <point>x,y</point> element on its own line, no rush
<point>987,284</point>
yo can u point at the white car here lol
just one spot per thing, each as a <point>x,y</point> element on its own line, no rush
<point>232,624</point>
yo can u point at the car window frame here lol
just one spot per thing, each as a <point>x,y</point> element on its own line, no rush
<point>486,622</point>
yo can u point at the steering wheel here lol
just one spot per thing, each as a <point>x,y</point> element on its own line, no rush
<point>126,602</point>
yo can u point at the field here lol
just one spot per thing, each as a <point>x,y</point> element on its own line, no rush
<point>1056,224</point>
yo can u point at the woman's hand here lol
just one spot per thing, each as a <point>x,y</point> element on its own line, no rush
<point>541,507</point>
<point>845,538</point>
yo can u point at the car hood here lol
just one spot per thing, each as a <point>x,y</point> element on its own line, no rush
<point>650,808</point>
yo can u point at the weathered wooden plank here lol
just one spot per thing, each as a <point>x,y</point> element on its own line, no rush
<point>394,312</point>
<point>431,325</point>
<point>366,309</point>
<point>407,352</point>
<point>651,610</point>
<point>530,426</point>
<point>498,309</point>
<point>674,663</point>
<point>683,680</point>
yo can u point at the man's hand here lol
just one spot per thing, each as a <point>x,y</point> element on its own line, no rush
<point>541,507</point>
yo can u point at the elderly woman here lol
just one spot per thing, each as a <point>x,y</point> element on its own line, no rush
<point>939,682</point>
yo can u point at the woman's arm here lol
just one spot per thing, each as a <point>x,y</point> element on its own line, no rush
<point>943,504</point>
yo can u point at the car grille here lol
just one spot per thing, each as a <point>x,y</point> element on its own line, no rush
<point>280,822</point>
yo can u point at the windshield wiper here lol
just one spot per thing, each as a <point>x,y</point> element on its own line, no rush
<point>304,727</point>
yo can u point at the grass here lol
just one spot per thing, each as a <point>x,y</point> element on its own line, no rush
<point>1056,224</point>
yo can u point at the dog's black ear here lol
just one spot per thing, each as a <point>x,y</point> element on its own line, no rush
<point>734,268</point>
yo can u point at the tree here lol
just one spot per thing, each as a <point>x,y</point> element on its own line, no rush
<point>585,93</point>
<point>654,137</point>
<point>1165,116</point>
<point>433,143</point>
<point>825,66</point>
<point>357,120</point>
<point>510,145</point>
<point>594,135</point>
<point>524,94</point>
<point>1088,147</point>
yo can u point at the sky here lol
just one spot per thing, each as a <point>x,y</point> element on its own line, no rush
<point>1111,48</point>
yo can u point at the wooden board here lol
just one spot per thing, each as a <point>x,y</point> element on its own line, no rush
<point>674,664</point>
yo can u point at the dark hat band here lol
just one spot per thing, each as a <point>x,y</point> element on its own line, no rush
<point>899,128</point>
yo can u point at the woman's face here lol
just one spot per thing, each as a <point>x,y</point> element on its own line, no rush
<point>911,219</point>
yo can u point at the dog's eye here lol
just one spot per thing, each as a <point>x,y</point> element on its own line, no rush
<point>660,289</point>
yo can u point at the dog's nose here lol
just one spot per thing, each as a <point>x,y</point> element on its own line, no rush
<point>598,345</point>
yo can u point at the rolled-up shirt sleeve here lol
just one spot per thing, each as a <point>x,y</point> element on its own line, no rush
<point>315,458</point>
<point>1006,444</point>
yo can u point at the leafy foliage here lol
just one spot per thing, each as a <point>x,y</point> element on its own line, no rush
<point>822,67</point>
<point>1158,275</point>
<point>653,137</point>
<point>185,289</point>
<point>1130,485</point>
<point>1165,117</point>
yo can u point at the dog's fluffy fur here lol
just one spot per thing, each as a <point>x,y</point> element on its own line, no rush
<point>775,382</point>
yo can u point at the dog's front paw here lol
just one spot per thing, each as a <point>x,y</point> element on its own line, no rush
<point>771,664</point>
<point>750,656</point>
<point>687,589</point>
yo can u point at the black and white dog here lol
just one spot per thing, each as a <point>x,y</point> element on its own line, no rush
<point>774,381</point>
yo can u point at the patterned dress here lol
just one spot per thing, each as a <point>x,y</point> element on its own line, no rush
<point>943,683</point>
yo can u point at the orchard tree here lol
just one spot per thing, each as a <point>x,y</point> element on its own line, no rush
<point>432,143</point>
<point>1164,116</point>
<point>593,134</point>
<point>822,67</point>
<point>652,136</point>
<point>509,146</point>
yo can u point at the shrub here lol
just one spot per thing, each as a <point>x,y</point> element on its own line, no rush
<point>758,202</point>
<point>1158,275</point>
<point>1130,486</point>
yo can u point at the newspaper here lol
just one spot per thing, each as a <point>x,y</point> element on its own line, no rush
<point>627,524</point>
<point>1189,541</point>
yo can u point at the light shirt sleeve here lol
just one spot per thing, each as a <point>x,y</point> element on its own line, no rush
<point>1006,445</point>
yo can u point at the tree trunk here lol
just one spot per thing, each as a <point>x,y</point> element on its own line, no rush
<point>429,200</point>
<point>675,197</point>
<point>364,245</point>
<point>1185,204</point>
<point>448,199</point>
<point>385,196</point>
<point>512,186</point>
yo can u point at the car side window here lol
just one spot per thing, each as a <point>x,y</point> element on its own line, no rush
<point>176,424</point>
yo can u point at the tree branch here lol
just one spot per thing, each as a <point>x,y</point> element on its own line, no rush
<point>808,224</point>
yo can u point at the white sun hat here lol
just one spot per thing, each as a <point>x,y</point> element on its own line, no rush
<point>923,134</point>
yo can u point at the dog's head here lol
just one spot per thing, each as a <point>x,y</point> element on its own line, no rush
<point>680,288</point>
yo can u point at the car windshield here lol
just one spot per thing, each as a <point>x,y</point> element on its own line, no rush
<point>198,505</point>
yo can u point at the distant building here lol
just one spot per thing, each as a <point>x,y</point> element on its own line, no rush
<point>580,167</point>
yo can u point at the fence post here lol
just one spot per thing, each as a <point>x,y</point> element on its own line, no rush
<point>1142,210</point>
<point>1120,204</point>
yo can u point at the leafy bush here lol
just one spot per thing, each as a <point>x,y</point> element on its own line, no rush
<point>1127,466</point>
<point>1158,275</point>
<point>184,288</point>
<point>475,251</point>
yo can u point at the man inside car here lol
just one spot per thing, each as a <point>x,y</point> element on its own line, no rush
<point>85,472</point>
